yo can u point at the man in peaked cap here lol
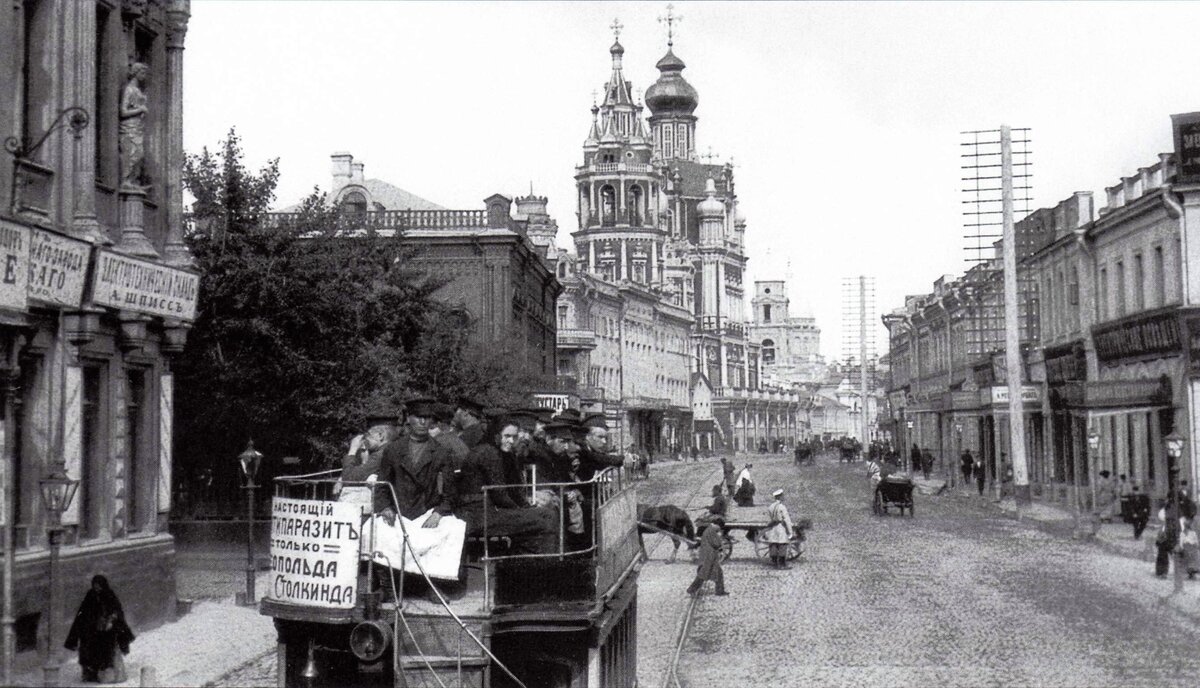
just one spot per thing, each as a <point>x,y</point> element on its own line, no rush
<point>469,418</point>
<point>419,469</point>
<point>595,455</point>
<point>443,433</point>
<point>560,440</point>
<point>380,427</point>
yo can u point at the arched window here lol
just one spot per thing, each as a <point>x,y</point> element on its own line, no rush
<point>668,141</point>
<point>635,205</point>
<point>608,205</point>
<point>354,202</point>
<point>683,141</point>
<point>562,269</point>
<point>768,351</point>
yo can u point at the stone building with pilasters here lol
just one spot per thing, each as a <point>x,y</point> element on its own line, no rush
<point>96,298</point>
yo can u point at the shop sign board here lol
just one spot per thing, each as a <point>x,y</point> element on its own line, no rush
<point>14,276</point>
<point>314,552</point>
<point>556,402</point>
<point>1186,128</point>
<point>142,286</point>
<point>1148,335</point>
<point>57,268</point>
<point>997,395</point>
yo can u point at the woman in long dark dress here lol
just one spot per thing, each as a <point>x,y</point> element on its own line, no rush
<point>101,634</point>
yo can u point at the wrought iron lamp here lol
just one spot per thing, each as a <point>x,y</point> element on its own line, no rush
<point>249,461</point>
<point>57,492</point>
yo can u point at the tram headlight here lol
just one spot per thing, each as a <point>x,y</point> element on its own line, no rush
<point>369,639</point>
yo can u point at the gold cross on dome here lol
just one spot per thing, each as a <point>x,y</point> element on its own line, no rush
<point>671,20</point>
<point>708,157</point>
<point>616,28</point>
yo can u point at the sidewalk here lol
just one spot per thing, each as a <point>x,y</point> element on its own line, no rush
<point>211,640</point>
<point>1113,538</point>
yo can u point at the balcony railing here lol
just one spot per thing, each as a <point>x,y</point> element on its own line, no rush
<point>576,339</point>
<point>628,216</point>
<point>401,220</point>
<point>716,324</point>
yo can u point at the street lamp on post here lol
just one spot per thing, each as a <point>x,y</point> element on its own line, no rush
<point>249,461</point>
<point>1093,442</point>
<point>57,492</point>
<point>1174,442</point>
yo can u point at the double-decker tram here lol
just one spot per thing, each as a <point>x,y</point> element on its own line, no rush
<point>349,614</point>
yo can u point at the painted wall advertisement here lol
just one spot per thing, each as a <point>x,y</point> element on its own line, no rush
<point>133,284</point>
<point>314,552</point>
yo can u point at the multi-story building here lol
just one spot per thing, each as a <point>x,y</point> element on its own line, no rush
<point>1116,357</point>
<point>491,261</point>
<point>660,256</point>
<point>790,344</point>
<point>96,301</point>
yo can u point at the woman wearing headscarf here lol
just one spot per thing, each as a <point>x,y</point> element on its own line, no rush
<point>101,634</point>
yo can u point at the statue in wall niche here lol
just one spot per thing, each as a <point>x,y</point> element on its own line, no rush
<point>133,127</point>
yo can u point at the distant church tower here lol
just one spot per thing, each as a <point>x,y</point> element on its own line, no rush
<point>620,195</point>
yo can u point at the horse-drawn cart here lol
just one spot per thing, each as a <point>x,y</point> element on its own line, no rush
<point>755,532</point>
<point>893,491</point>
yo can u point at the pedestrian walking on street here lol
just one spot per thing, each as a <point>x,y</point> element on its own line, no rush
<point>728,474</point>
<point>1106,501</point>
<point>967,465</point>
<point>980,474</point>
<point>1139,511</point>
<point>101,634</point>
<point>914,458</point>
<point>778,534</point>
<point>711,545</point>
<point>926,463</point>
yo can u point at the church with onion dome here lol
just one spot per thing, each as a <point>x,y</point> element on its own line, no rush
<point>652,315</point>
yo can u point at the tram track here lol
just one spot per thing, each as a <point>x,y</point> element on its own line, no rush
<point>670,676</point>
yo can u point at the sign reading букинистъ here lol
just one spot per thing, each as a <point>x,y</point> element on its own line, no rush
<point>314,552</point>
<point>133,284</point>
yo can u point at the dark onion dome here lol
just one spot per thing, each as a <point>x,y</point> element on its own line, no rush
<point>671,93</point>
<point>617,49</point>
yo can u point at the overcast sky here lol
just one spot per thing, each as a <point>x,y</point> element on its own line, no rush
<point>842,119</point>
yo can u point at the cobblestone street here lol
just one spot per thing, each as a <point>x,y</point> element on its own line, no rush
<point>933,600</point>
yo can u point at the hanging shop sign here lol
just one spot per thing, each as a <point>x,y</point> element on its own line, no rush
<point>556,402</point>
<point>133,284</point>
<point>57,268</point>
<point>1186,128</point>
<point>1154,334</point>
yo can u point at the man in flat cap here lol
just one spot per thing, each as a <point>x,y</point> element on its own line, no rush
<point>419,469</point>
<point>363,459</point>
<point>712,543</point>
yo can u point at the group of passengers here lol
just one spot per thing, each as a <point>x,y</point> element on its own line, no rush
<point>439,457</point>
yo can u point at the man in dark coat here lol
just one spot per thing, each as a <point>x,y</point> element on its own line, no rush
<point>469,419</point>
<point>967,465</point>
<point>711,545</point>
<point>420,470</point>
<point>594,455</point>
<point>980,475</point>
<point>533,529</point>
<point>728,474</point>
<point>1139,511</point>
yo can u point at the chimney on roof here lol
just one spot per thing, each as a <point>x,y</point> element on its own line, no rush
<point>356,172</point>
<point>342,163</point>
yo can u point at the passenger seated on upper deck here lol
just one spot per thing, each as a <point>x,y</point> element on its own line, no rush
<point>532,446</point>
<point>560,439</point>
<point>594,454</point>
<point>533,529</point>
<point>420,470</point>
<point>362,460</point>
<point>442,431</point>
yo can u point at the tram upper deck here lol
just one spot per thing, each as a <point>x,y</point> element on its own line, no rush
<point>569,585</point>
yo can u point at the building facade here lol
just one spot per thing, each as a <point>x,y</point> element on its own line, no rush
<point>491,261</point>
<point>96,300</point>
<point>658,263</point>
<point>790,344</point>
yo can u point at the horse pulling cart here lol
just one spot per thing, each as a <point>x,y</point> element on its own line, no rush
<point>893,491</point>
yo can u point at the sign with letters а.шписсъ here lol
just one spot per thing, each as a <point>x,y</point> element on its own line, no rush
<point>57,268</point>
<point>314,552</point>
<point>133,284</point>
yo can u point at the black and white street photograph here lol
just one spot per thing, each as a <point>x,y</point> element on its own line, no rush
<point>553,344</point>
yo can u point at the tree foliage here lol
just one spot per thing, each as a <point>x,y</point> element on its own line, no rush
<point>304,324</point>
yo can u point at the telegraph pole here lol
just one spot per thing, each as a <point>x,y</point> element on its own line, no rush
<point>1012,330</point>
<point>862,358</point>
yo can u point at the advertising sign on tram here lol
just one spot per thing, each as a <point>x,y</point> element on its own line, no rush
<point>314,552</point>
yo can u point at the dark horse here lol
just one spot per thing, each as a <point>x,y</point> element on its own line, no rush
<point>669,518</point>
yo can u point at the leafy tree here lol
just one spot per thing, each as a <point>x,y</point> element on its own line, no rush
<point>304,324</point>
